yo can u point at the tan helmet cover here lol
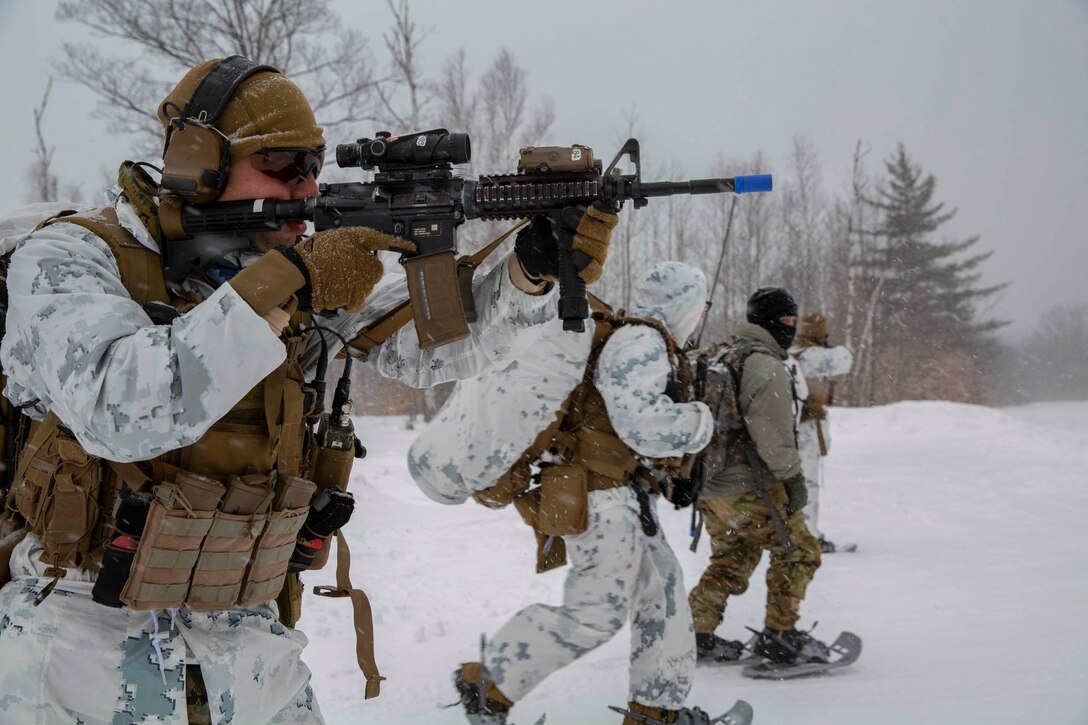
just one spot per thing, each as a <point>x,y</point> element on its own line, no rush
<point>268,111</point>
<point>812,328</point>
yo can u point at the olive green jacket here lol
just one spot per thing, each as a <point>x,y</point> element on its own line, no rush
<point>766,403</point>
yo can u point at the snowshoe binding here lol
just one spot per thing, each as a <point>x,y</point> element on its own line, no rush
<point>712,649</point>
<point>795,653</point>
<point>739,714</point>
<point>483,702</point>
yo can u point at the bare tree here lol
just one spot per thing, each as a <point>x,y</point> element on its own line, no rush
<point>403,41</point>
<point>43,182</point>
<point>303,38</point>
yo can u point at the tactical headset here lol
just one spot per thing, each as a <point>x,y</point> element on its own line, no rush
<point>196,157</point>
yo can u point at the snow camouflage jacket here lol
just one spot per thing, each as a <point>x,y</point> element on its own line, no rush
<point>766,401</point>
<point>489,421</point>
<point>818,364</point>
<point>78,345</point>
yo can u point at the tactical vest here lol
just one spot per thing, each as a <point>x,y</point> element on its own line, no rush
<point>580,451</point>
<point>207,555</point>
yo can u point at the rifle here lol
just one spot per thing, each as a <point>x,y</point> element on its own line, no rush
<point>416,195</point>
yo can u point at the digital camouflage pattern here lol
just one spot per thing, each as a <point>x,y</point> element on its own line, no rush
<point>617,573</point>
<point>473,441</point>
<point>78,345</point>
<point>817,364</point>
<point>71,658</point>
<point>740,529</point>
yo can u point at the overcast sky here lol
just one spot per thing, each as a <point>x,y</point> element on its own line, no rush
<point>991,97</point>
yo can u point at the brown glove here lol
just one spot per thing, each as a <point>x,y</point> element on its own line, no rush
<point>340,266</point>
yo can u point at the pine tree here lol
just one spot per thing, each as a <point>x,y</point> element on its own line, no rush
<point>931,336</point>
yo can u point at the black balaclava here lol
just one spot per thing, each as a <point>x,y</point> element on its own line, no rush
<point>766,305</point>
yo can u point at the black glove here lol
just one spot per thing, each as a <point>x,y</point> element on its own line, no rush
<point>797,492</point>
<point>586,231</point>
<point>680,492</point>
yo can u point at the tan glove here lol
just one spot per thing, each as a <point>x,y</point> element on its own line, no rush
<point>587,231</point>
<point>590,239</point>
<point>340,265</point>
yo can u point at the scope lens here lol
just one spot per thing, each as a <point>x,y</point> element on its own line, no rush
<point>377,148</point>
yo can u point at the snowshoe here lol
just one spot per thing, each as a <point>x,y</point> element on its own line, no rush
<point>809,656</point>
<point>830,547</point>
<point>739,714</point>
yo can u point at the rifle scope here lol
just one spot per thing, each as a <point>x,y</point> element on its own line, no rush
<point>389,153</point>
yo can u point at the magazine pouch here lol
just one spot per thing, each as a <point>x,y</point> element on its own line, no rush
<point>225,554</point>
<point>276,543</point>
<point>177,522</point>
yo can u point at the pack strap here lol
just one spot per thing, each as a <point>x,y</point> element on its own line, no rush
<point>41,434</point>
<point>385,326</point>
<point>363,616</point>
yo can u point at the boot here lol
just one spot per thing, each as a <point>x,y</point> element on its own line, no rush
<point>712,648</point>
<point>649,714</point>
<point>826,546</point>
<point>790,646</point>
<point>490,710</point>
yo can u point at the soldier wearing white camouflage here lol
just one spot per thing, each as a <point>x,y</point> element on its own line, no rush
<point>621,567</point>
<point>818,361</point>
<point>150,363</point>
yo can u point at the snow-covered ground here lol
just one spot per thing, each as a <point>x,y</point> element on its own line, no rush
<point>970,586</point>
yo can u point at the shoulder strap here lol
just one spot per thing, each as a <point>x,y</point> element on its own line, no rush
<point>140,267</point>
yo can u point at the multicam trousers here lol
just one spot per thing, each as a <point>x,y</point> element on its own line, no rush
<point>740,528</point>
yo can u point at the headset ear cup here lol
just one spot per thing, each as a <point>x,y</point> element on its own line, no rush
<point>195,163</point>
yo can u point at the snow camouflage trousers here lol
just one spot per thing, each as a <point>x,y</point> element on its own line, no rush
<point>72,660</point>
<point>808,446</point>
<point>740,529</point>
<point>616,572</point>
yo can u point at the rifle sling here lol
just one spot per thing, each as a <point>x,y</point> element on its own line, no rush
<point>377,332</point>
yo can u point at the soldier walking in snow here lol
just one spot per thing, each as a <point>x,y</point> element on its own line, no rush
<point>754,501</point>
<point>169,381</point>
<point>590,451</point>
<point>818,362</point>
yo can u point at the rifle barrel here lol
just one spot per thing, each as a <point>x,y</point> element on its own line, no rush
<point>737,185</point>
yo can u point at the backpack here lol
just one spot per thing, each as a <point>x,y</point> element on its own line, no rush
<point>15,226</point>
<point>718,373</point>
